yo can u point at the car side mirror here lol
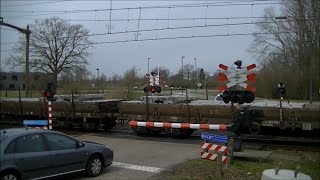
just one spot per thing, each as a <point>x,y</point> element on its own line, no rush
<point>80,145</point>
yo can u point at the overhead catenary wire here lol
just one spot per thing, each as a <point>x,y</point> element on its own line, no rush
<point>6,43</point>
<point>157,19</point>
<point>217,3</point>
<point>5,29</point>
<point>145,7</point>
<point>180,27</point>
<point>28,4</point>
<point>183,37</point>
<point>179,37</point>
<point>174,28</point>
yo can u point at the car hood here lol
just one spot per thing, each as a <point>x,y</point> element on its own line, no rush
<point>90,142</point>
<point>94,143</point>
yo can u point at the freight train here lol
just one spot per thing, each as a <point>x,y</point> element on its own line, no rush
<point>92,112</point>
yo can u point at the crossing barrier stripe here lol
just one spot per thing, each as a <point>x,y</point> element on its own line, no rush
<point>224,67</point>
<point>252,66</point>
<point>248,87</point>
<point>241,75</point>
<point>214,147</point>
<point>213,157</point>
<point>241,78</point>
<point>221,127</point>
<point>49,115</point>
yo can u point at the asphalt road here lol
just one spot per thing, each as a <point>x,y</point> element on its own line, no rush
<point>141,158</point>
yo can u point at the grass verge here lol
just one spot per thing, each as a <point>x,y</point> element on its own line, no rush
<point>199,169</point>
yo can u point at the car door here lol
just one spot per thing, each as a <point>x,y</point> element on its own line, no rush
<point>66,154</point>
<point>32,157</point>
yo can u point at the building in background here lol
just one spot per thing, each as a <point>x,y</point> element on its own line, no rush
<point>16,80</point>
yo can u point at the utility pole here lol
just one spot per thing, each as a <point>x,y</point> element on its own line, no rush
<point>27,32</point>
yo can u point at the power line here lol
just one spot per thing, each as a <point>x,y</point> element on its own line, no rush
<point>180,27</point>
<point>6,43</point>
<point>27,4</point>
<point>157,19</point>
<point>8,50</point>
<point>145,7</point>
<point>7,29</point>
<point>221,3</point>
<point>172,28</point>
<point>183,37</point>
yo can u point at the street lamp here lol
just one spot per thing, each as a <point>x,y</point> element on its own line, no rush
<point>98,80</point>
<point>138,73</point>
<point>182,57</point>
<point>195,73</point>
<point>98,74</point>
<point>148,65</point>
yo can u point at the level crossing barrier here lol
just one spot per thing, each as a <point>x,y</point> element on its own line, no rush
<point>221,127</point>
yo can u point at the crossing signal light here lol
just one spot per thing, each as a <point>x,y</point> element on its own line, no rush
<point>282,91</point>
<point>49,92</point>
<point>158,89</point>
<point>152,89</point>
<point>239,97</point>
<point>146,89</point>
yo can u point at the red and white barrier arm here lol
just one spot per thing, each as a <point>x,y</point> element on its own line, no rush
<point>221,127</point>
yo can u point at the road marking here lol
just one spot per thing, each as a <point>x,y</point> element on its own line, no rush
<point>137,167</point>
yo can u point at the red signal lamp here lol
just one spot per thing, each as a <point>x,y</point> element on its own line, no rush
<point>153,89</point>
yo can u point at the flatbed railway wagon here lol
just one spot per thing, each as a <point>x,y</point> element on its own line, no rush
<point>252,117</point>
<point>86,114</point>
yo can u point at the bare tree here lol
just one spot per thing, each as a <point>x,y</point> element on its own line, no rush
<point>56,46</point>
<point>130,79</point>
<point>288,45</point>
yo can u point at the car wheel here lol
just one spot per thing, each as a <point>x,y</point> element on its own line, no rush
<point>94,166</point>
<point>9,176</point>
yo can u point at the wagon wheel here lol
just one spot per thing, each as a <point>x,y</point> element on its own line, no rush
<point>122,122</point>
<point>179,133</point>
<point>254,128</point>
<point>142,131</point>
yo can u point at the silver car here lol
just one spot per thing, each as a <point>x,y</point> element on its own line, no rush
<point>29,153</point>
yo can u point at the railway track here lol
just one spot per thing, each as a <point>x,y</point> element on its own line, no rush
<point>281,142</point>
<point>249,141</point>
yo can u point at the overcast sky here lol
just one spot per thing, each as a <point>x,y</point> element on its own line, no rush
<point>117,57</point>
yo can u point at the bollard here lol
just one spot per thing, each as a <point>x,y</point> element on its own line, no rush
<point>278,167</point>
<point>297,170</point>
<point>230,151</point>
<point>220,165</point>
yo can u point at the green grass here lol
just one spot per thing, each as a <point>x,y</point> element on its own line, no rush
<point>240,169</point>
<point>15,94</point>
